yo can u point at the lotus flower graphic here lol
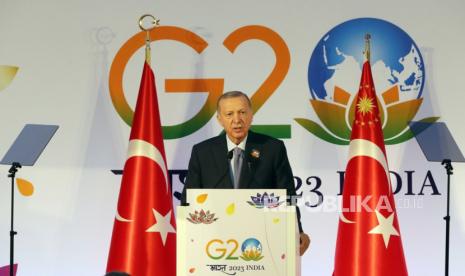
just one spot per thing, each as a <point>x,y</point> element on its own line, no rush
<point>265,201</point>
<point>202,217</point>
<point>334,75</point>
<point>251,250</point>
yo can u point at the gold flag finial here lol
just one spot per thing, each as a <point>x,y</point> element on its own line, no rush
<point>153,22</point>
<point>366,53</point>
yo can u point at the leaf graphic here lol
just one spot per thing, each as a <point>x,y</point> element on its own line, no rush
<point>7,74</point>
<point>408,134</point>
<point>230,209</point>
<point>25,187</point>
<point>202,198</point>
<point>320,132</point>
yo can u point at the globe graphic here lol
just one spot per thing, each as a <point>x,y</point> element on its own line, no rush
<point>250,244</point>
<point>338,58</point>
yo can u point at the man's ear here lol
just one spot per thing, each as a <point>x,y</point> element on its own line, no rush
<point>218,119</point>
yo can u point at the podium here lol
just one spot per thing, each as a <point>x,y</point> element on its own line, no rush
<point>241,232</point>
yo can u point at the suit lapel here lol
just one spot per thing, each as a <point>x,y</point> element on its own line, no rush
<point>220,153</point>
<point>250,163</point>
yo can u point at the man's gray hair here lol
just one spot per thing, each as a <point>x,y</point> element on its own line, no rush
<point>232,94</point>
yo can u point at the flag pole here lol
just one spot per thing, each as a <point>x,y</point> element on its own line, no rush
<point>12,173</point>
<point>447,163</point>
<point>154,22</point>
<point>371,236</point>
<point>366,53</point>
<point>143,241</point>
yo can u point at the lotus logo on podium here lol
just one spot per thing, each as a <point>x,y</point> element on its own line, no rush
<point>202,217</point>
<point>238,232</point>
<point>251,251</point>
<point>261,201</point>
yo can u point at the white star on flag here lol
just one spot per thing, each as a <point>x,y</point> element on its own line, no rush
<point>385,227</point>
<point>162,225</point>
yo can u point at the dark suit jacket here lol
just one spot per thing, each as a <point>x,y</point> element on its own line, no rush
<point>209,166</point>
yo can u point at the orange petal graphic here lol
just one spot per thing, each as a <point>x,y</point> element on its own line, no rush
<point>25,187</point>
<point>230,209</point>
<point>202,198</point>
<point>391,95</point>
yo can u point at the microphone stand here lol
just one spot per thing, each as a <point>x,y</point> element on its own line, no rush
<point>12,173</point>
<point>448,165</point>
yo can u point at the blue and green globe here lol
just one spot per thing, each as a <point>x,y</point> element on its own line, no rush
<point>251,250</point>
<point>334,73</point>
<point>338,58</point>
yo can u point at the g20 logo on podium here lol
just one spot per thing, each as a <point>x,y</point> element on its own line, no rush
<point>251,249</point>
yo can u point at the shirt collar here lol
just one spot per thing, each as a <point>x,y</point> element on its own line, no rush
<point>231,144</point>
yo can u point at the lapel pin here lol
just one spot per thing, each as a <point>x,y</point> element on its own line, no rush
<point>255,154</point>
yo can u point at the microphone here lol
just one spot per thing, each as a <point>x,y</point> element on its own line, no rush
<point>177,195</point>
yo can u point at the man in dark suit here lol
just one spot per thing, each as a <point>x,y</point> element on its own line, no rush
<point>240,158</point>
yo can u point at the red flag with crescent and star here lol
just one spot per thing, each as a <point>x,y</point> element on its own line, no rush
<point>368,241</point>
<point>144,236</point>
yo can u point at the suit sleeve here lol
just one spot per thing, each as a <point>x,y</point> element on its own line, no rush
<point>193,175</point>
<point>285,179</point>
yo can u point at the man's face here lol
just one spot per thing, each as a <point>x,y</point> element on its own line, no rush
<point>235,116</point>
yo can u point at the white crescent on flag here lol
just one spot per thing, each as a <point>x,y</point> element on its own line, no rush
<point>145,149</point>
<point>344,219</point>
<point>118,217</point>
<point>362,147</point>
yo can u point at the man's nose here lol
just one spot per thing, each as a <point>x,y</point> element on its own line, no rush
<point>236,117</point>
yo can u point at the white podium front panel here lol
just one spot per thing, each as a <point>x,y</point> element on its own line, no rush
<point>237,232</point>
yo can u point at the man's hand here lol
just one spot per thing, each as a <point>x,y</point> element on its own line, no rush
<point>304,243</point>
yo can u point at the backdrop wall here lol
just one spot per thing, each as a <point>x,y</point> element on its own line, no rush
<point>65,50</point>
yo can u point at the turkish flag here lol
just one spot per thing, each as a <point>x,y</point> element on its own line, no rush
<point>144,240</point>
<point>368,241</point>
